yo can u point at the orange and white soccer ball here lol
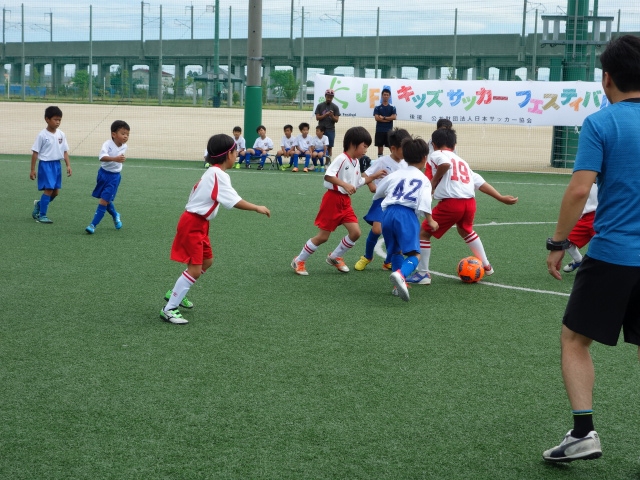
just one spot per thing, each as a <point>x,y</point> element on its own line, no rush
<point>470,270</point>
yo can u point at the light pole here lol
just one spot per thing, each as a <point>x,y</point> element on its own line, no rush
<point>142,5</point>
<point>50,25</point>
<point>216,50</point>
<point>229,84</point>
<point>160,62</point>
<point>90,53</point>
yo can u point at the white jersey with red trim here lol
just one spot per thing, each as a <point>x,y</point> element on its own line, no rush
<point>428,172</point>
<point>346,169</point>
<point>458,181</point>
<point>213,189</point>
<point>287,142</point>
<point>384,163</point>
<point>303,143</point>
<point>407,187</point>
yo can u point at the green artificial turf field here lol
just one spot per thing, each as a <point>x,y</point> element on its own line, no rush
<point>277,375</point>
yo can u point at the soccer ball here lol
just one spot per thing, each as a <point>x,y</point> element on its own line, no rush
<point>470,270</point>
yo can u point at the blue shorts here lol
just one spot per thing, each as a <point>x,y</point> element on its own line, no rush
<point>49,175</point>
<point>106,185</point>
<point>401,230</point>
<point>375,213</point>
<point>331,136</point>
<point>320,151</point>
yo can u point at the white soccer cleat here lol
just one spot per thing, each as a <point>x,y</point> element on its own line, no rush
<point>401,286</point>
<point>571,448</point>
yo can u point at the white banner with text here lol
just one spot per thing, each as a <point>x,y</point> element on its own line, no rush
<point>477,101</point>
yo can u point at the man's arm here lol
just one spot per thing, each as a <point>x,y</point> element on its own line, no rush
<point>573,201</point>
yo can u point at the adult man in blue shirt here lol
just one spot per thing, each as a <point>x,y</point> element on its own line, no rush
<point>385,114</point>
<point>606,293</point>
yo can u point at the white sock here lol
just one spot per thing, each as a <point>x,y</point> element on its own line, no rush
<point>344,245</point>
<point>475,244</point>
<point>180,289</point>
<point>307,250</point>
<point>575,253</point>
<point>425,253</point>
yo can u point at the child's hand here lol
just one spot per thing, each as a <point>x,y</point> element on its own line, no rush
<point>120,158</point>
<point>350,189</point>
<point>508,199</point>
<point>433,225</point>
<point>68,171</point>
<point>380,174</point>
<point>263,210</point>
<point>32,175</point>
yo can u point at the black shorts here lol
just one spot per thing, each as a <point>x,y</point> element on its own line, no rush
<point>381,139</point>
<point>605,299</point>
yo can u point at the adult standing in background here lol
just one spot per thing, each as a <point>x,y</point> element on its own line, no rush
<point>385,114</point>
<point>605,298</point>
<point>328,114</point>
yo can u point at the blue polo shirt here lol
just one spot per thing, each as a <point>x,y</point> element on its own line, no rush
<point>610,145</point>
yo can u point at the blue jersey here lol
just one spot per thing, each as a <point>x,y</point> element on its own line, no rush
<point>610,145</point>
<point>385,111</point>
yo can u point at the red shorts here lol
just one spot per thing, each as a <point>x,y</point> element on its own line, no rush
<point>583,232</point>
<point>335,210</point>
<point>452,211</point>
<point>191,244</point>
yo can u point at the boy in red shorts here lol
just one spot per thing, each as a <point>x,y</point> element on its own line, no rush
<point>191,244</point>
<point>583,232</point>
<point>341,180</point>
<point>454,185</point>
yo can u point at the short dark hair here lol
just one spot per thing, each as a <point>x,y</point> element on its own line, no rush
<point>118,124</point>
<point>444,137</point>
<point>303,125</point>
<point>261,127</point>
<point>385,90</point>
<point>396,136</point>
<point>52,111</point>
<point>355,136</point>
<point>621,60</point>
<point>290,127</point>
<point>217,148</point>
<point>444,123</point>
<point>414,150</point>
<point>237,129</point>
<point>321,128</point>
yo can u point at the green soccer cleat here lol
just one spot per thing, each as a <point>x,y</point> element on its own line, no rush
<point>185,303</point>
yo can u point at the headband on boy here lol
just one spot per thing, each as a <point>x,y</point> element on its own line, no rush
<point>224,153</point>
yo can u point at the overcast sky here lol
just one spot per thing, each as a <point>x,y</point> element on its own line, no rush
<point>121,19</point>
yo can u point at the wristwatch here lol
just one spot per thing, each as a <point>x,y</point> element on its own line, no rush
<point>554,246</point>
